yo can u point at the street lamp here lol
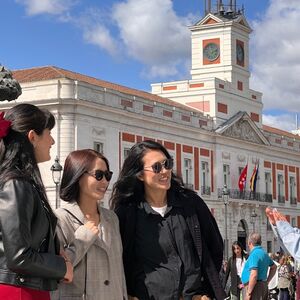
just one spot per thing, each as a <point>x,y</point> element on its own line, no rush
<point>252,219</point>
<point>225,195</point>
<point>56,169</point>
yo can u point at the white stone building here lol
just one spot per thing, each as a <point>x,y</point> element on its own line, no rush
<point>211,124</point>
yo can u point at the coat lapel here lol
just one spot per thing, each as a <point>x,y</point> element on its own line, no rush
<point>75,210</point>
<point>105,222</point>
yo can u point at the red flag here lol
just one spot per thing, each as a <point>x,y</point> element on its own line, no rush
<point>243,178</point>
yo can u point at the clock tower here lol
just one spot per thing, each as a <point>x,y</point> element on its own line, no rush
<point>220,46</point>
<point>219,84</point>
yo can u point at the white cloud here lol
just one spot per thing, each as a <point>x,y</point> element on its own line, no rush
<point>54,7</point>
<point>275,55</point>
<point>150,32</point>
<point>154,35</point>
<point>100,36</point>
<point>284,121</point>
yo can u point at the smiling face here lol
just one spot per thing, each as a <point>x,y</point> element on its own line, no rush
<point>42,144</point>
<point>155,181</point>
<point>90,188</point>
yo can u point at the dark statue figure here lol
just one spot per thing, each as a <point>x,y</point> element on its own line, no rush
<point>10,88</point>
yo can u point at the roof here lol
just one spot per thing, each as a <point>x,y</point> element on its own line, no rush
<point>52,72</point>
<point>280,132</point>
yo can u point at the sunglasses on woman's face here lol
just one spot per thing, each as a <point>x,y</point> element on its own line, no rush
<point>98,175</point>
<point>157,167</point>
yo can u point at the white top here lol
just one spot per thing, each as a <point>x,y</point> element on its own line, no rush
<point>102,235</point>
<point>240,265</point>
<point>160,210</point>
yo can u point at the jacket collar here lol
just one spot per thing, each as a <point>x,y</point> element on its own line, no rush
<point>105,220</point>
<point>74,208</point>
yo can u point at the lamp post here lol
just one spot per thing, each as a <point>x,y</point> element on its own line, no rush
<point>56,169</point>
<point>252,219</point>
<point>225,195</point>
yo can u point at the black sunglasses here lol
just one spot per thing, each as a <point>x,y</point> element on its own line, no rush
<point>98,175</point>
<point>157,167</point>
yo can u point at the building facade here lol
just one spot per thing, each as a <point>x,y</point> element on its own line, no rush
<point>211,124</point>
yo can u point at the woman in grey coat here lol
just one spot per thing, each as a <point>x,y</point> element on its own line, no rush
<point>89,233</point>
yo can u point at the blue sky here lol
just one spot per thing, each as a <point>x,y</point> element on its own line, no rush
<point>139,42</point>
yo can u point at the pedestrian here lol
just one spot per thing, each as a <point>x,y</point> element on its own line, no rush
<point>255,275</point>
<point>234,267</point>
<point>273,283</point>
<point>285,283</point>
<point>172,245</point>
<point>89,232</point>
<point>30,262</point>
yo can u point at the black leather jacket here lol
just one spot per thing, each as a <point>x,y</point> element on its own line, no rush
<point>28,252</point>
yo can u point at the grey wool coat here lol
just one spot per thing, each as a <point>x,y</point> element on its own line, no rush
<point>97,259</point>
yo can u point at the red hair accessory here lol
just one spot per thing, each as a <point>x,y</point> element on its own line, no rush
<point>4,126</point>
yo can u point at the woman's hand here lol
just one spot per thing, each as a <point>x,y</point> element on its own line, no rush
<point>240,286</point>
<point>91,225</point>
<point>132,298</point>
<point>274,215</point>
<point>69,273</point>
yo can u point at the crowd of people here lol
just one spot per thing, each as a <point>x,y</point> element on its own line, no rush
<point>158,240</point>
<point>283,285</point>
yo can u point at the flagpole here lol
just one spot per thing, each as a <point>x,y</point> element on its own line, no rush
<point>246,175</point>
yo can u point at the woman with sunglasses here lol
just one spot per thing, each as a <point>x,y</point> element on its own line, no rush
<point>172,247</point>
<point>88,232</point>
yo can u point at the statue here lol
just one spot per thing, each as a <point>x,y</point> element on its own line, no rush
<point>10,88</point>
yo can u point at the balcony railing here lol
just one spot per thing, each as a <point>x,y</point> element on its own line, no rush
<point>205,190</point>
<point>293,200</point>
<point>246,195</point>
<point>281,199</point>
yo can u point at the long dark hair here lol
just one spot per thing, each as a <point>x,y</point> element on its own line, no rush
<point>76,164</point>
<point>237,243</point>
<point>17,158</point>
<point>128,188</point>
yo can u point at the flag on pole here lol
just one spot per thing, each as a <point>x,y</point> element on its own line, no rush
<point>253,178</point>
<point>243,178</point>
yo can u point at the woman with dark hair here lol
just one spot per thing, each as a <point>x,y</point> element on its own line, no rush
<point>30,262</point>
<point>285,283</point>
<point>234,267</point>
<point>172,245</point>
<point>88,232</point>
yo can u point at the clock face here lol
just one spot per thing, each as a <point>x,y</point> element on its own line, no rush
<point>239,53</point>
<point>211,51</point>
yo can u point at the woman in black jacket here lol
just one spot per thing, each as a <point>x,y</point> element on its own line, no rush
<point>30,262</point>
<point>172,247</point>
<point>234,268</point>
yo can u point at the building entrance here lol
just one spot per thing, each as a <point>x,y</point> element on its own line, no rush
<point>242,233</point>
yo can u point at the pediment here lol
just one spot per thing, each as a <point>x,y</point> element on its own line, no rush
<point>241,20</point>
<point>241,127</point>
<point>209,19</point>
<point>213,19</point>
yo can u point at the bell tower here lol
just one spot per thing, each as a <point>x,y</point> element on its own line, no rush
<point>220,44</point>
<point>219,84</point>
